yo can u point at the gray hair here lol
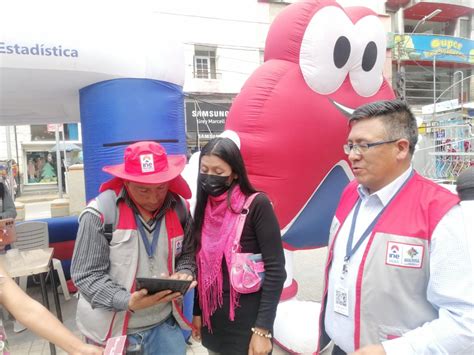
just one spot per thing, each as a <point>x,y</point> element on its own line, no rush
<point>396,116</point>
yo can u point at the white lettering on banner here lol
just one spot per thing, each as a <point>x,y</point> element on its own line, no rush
<point>207,135</point>
<point>212,121</point>
<point>404,255</point>
<point>210,114</point>
<point>37,49</point>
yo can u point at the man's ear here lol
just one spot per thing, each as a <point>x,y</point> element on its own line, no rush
<point>403,146</point>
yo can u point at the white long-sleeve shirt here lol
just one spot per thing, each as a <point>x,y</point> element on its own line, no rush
<point>450,288</point>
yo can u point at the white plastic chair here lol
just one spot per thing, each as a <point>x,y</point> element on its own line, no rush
<point>34,235</point>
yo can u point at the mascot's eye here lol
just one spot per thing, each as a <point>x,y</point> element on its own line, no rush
<point>368,56</point>
<point>326,51</point>
<point>342,51</point>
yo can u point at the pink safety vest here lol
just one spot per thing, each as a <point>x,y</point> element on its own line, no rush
<point>99,324</point>
<point>394,272</point>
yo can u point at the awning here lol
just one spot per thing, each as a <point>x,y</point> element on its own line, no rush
<point>68,147</point>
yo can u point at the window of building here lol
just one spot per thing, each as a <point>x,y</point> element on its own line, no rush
<point>204,62</point>
<point>41,167</point>
<point>464,28</point>
<point>47,132</point>
<point>41,133</point>
<point>419,88</point>
<point>71,132</point>
<point>428,27</point>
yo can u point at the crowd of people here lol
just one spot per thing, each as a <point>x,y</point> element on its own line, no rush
<point>399,274</point>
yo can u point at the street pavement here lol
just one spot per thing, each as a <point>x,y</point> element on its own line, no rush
<point>36,210</point>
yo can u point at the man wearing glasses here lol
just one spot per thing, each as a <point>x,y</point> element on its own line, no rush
<point>398,271</point>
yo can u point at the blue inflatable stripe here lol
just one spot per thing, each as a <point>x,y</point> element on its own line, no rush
<point>61,229</point>
<point>311,228</point>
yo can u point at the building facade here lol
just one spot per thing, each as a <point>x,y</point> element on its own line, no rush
<point>433,62</point>
<point>433,49</point>
<point>223,45</point>
<point>429,60</point>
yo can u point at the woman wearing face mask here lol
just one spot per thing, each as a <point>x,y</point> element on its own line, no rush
<point>229,322</point>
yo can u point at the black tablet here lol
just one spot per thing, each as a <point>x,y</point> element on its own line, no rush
<point>154,285</point>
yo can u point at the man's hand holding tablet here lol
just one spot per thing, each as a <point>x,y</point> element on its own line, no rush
<point>151,291</point>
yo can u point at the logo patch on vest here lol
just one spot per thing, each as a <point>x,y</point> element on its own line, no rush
<point>147,163</point>
<point>179,246</point>
<point>404,255</point>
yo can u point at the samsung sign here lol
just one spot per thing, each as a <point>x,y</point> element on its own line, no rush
<point>206,117</point>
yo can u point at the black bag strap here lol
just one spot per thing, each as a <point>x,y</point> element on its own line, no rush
<point>107,206</point>
<point>108,232</point>
<point>181,209</point>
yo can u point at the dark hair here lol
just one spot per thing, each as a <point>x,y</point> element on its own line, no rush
<point>465,184</point>
<point>227,150</point>
<point>396,117</point>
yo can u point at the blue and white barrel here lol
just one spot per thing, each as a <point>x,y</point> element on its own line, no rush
<point>116,113</point>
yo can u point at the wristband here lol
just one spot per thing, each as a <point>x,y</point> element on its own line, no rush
<point>259,333</point>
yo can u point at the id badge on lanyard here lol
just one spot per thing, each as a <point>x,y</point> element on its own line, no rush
<point>150,248</point>
<point>341,299</point>
<point>341,292</point>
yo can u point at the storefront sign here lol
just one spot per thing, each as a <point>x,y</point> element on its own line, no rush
<point>59,54</point>
<point>441,107</point>
<point>52,127</point>
<point>428,47</point>
<point>206,118</point>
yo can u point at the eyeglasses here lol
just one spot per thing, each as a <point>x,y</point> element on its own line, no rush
<point>363,147</point>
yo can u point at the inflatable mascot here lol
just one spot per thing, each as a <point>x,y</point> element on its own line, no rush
<point>291,116</point>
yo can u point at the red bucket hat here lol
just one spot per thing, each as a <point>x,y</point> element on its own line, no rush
<point>147,163</point>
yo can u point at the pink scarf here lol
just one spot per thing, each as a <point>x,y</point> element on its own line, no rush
<point>217,236</point>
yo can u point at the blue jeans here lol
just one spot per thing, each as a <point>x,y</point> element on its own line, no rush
<point>166,338</point>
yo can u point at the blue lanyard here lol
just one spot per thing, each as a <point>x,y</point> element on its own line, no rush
<point>349,250</point>
<point>150,249</point>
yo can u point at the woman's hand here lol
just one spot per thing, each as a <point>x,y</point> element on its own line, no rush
<point>197,324</point>
<point>259,345</point>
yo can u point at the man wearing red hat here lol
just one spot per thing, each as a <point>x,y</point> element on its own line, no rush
<point>137,227</point>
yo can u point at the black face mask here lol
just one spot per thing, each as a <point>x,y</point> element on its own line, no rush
<point>214,185</point>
